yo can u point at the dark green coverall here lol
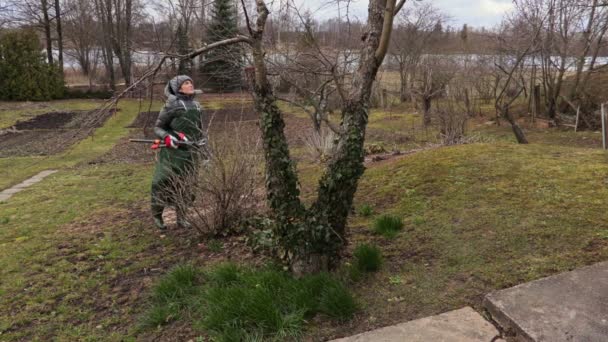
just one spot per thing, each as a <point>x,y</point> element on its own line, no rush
<point>180,114</point>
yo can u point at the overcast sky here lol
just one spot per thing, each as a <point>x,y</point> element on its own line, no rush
<point>473,12</point>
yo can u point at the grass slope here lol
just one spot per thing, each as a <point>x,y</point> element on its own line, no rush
<point>477,218</point>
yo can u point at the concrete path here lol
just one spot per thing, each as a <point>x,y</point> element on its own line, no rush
<point>571,306</point>
<point>8,193</point>
<point>464,325</point>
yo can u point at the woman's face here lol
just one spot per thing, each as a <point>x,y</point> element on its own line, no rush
<point>187,88</point>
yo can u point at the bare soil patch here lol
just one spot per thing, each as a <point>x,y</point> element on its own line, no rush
<point>48,133</point>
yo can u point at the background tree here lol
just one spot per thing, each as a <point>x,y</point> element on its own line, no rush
<point>25,75</point>
<point>221,68</point>
<point>83,42</point>
<point>414,36</point>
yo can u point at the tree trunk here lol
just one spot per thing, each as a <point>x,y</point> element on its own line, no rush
<point>403,84</point>
<point>536,96</point>
<point>47,30</point>
<point>426,106</point>
<point>314,238</point>
<point>519,133</point>
<point>104,13</point>
<point>59,34</point>
<point>467,102</point>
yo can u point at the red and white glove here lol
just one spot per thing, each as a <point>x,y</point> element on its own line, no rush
<point>170,141</point>
<point>182,136</point>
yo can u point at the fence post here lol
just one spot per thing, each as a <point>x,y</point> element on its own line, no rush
<point>603,126</point>
<point>578,112</point>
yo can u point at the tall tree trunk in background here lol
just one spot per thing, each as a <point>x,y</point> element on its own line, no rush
<point>47,30</point>
<point>426,107</point>
<point>403,81</point>
<point>121,37</point>
<point>103,9</point>
<point>59,34</point>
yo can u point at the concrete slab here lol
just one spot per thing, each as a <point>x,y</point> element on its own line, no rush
<point>46,173</point>
<point>7,193</point>
<point>571,306</point>
<point>463,325</point>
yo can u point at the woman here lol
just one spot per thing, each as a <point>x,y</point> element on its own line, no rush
<point>179,122</point>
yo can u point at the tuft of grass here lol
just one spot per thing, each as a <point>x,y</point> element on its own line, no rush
<point>337,303</point>
<point>365,210</point>
<point>239,304</point>
<point>215,246</point>
<point>388,225</point>
<point>368,258</point>
<point>171,295</point>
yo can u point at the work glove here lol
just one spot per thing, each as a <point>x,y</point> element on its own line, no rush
<point>182,136</point>
<point>170,141</point>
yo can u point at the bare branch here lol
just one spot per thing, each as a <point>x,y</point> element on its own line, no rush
<point>399,6</point>
<point>387,28</point>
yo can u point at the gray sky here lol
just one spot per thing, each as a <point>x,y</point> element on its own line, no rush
<point>473,12</point>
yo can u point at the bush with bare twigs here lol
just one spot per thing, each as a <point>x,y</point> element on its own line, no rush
<point>226,187</point>
<point>452,120</point>
<point>320,145</point>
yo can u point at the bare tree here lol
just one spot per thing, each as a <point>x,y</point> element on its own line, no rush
<point>413,37</point>
<point>84,42</point>
<point>514,46</point>
<point>435,73</point>
<point>103,10</point>
<point>593,38</point>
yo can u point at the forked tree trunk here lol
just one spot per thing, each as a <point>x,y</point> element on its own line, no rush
<point>314,238</point>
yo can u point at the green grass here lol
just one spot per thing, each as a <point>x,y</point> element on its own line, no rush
<point>481,217</point>
<point>232,303</point>
<point>368,258</point>
<point>171,295</point>
<point>388,225</point>
<point>55,274</point>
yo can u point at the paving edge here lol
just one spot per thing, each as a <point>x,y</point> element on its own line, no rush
<point>506,324</point>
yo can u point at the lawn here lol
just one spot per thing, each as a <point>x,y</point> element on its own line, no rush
<point>79,258</point>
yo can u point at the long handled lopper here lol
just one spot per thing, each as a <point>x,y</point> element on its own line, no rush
<point>157,143</point>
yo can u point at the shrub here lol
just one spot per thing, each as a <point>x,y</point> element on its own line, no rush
<point>88,94</point>
<point>388,225</point>
<point>226,187</point>
<point>25,74</point>
<point>368,258</point>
